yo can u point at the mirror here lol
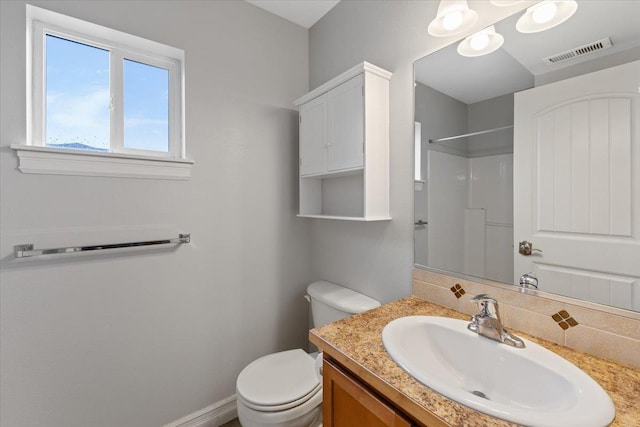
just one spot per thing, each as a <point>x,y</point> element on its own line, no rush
<point>464,178</point>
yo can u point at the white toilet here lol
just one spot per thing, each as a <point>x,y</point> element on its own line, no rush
<point>285,389</point>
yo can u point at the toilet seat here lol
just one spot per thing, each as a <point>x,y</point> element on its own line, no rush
<point>299,416</point>
<point>279,381</point>
<point>283,407</point>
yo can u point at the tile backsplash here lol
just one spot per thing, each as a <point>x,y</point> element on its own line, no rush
<point>592,331</point>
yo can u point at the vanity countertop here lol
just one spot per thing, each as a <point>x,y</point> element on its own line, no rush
<point>356,343</point>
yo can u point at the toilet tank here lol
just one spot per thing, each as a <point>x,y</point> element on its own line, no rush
<point>331,302</point>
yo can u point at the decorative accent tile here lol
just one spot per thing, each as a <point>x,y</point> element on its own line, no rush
<point>564,319</point>
<point>457,290</point>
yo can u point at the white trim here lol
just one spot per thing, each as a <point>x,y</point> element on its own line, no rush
<point>119,37</point>
<point>43,160</point>
<point>212,416</point>
<point>116,89</point>
<point>121,47</point>
<point>347,75</point>
<point>346,218</point>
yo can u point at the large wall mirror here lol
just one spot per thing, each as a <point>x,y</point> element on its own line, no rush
<point>537,141</point>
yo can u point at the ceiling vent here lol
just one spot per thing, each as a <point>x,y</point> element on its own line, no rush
<point>586,49</point>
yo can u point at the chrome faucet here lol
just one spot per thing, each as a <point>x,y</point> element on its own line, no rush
<point>488,324</point>
<point>528,280</point>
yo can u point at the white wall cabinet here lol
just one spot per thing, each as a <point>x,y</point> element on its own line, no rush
<point>313,136</point>
<point>332,130</point>
<point>344,147</point>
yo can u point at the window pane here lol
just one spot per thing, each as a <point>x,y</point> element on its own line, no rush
<point>146,107</point>
<point>77,95</point>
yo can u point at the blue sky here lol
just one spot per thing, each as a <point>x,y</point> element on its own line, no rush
<point>77,87</point>
<point>146,112</point>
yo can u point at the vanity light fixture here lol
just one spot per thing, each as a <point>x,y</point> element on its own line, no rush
<point>481,43</point>
<point>546,14</point>
<point>453,17</point>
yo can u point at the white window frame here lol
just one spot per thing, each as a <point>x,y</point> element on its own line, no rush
<point>35,157</point>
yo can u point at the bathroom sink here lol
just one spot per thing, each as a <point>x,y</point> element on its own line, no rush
<point>531,386</point>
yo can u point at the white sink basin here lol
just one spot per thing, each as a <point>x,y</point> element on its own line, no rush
<point>530,386</point>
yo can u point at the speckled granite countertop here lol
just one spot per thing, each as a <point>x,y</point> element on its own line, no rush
<point>356,343</point>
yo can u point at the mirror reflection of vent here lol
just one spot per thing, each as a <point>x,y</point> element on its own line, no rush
<point>586,49</point>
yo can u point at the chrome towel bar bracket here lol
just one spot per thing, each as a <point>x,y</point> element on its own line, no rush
<point>27,249</point>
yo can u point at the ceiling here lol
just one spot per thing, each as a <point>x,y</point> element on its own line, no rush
<point>511,68</point>
<point>302,12</point>
<point>514,66</point>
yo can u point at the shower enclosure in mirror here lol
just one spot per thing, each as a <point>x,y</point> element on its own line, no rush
<point>562,103</point>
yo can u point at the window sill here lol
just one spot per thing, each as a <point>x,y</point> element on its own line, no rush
<point>55,161</point>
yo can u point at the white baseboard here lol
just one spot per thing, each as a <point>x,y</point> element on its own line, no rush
<point>212,416</point>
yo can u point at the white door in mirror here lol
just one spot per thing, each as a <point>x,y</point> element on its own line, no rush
<point>577,185</point>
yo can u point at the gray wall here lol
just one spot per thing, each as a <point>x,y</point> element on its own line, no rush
<point>601,63</point>
<point>441,116</point>
<point>488,114</point>
<point>376,258</point>
<point>143,338</point>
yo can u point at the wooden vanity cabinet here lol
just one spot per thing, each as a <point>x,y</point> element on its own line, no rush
<point>349,403</point>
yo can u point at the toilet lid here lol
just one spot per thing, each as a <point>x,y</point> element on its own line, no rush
<point>278,379</point>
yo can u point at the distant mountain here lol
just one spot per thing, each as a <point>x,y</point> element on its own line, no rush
<point>77,146</point>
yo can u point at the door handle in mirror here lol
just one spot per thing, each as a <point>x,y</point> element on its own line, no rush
<point>526,248</point>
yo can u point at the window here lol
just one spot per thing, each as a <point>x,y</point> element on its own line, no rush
<point>146,112</point>
<point>417,139</point>
<point>101,94</point>
<point>77,96</point>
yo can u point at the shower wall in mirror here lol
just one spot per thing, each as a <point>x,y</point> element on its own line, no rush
<point>464,193</point>
<point>469,185</point>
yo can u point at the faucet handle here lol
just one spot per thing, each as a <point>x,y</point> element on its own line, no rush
<point>528,279</point>
<point>483,298</point>
<point>487,304</point>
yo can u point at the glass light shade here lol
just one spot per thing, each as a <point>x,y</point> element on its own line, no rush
<point>505,3</point>
<point>481,43</point>
<point>545,15</point>
<point>453,17</point>
<point>452,21</point>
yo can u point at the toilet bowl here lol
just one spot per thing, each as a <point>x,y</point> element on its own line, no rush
<point>285,389</point>
<point>279,390</point>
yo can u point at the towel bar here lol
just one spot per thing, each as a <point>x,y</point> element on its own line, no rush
<point>27,249</point>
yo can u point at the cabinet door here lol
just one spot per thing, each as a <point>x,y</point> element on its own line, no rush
<point>345,138</point>
<point>347,403</point>
<point>313,136</point>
